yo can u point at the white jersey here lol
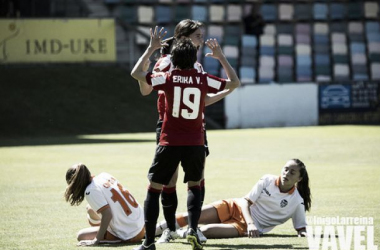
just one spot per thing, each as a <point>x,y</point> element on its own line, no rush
<point>271,207</point>
<point>127,215</point>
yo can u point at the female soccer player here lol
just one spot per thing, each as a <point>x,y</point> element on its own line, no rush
<point>271,202</point>
<point>115,215</point>
<point>182,136</point>
<point>185,29</point>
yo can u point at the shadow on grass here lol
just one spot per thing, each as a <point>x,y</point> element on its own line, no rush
<point>252,246</point>
<point>67,140</point>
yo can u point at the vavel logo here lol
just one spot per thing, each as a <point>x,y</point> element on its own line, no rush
<point>341,233</point>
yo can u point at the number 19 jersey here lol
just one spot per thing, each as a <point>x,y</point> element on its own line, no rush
<point>185,92</point>
<point>104,192</point>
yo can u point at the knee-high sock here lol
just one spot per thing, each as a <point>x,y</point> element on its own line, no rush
<point>194,206</point>
<point>151,213</point>
<point>203,191</point>
<point>169,203</point>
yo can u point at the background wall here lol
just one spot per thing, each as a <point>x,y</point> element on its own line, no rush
<point>272,106</point>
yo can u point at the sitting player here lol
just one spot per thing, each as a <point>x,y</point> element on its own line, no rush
<point>114,214</point>
<point>271,202</point>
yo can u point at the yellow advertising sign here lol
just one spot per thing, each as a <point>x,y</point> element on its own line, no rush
<point>57,40</point>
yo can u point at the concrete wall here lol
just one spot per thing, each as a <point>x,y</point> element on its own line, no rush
<point>272,105</point>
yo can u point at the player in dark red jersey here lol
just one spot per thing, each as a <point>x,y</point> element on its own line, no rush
<point>194,30</point>
<point>182,136</point>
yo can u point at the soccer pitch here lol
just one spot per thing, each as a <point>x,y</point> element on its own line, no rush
<point>343,163</point>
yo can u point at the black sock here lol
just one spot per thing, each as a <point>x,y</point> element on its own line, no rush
<point>169,203</point>
<point>193,206</point>
<point>203,191</point>
<point>151,213</point>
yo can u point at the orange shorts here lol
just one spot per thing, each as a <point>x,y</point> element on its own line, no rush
<point>229,212</point>
<point>136,239</point>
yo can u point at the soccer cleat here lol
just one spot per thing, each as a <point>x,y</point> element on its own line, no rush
<point>183,232</point>
<point>192,238</point>
<point>167,236</point>
<point>142,247</point>
<point>201,236</point>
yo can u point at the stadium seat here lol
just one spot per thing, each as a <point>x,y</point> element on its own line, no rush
<point>341,72</point>
<point>303,39</point>
<point>321,59</point>
<point>216,13</point>
<point>355,28</point>
<point>269,12</point>
<point>249,41</point>
<point>337,11</point>
<point>234,13</point>
<point>375,71</point>
<point>215,31</point>
<point>163,14</point>
<point>181,13</point>
<point>129,14</point>
<point>303,11</point>
<point>355,10</point>
<point>286,12</point>
<point>145,14</point>
<point>199,13</point>
<point>371,9</point>
<point>247,75</point>
<point>320,11</point>
<point>231,51</point>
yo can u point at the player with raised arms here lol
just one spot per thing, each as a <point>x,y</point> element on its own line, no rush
<point>194,30</point>
<point>182,136</point>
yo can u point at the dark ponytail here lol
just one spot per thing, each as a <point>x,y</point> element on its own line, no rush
<point>303,186</point>
<point>78,178</point>
<point>167,49</point>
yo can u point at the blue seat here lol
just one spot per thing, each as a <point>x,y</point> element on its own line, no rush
<point>372,27</point>
<point>373,37</point>
<point>321,39</point>
<point>320,11</point>
<point>267,50</point>
<point>320,59</point>
<point>247,75</point>
<point>337,11</point>
<point>248,61</point>
<point>303,11</point>
<point>199,13</point>
<point>357,48</point>
<point>249,41</point>
<point>357,37</point>
<point>163,14</point>
<point>269,12</point>
<point>303,60</point>
<point>321,48</point>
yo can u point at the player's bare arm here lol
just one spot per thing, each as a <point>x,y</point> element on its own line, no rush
<point>213,98</point>
<point>217,53</point>
<point>155,43</point>
<point>252,231</point>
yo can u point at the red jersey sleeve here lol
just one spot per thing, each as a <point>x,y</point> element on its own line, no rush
<point>163,64</point>
<point>215,84</point>
<point>157,80</point>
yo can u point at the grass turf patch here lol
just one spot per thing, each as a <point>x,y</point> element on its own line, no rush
<point>343,164</point>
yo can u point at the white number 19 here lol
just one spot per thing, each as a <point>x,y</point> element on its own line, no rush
<point>193,105</point>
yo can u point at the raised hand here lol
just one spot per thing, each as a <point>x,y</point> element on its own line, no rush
<point>216,50</point>
<point>156,37</point>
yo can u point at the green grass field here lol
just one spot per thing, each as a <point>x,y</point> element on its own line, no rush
<point>343,164</point>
